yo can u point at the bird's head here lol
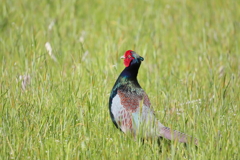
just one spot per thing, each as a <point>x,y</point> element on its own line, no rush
<point>131,57</point>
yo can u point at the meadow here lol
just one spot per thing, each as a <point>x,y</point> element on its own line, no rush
<point>59,60</point>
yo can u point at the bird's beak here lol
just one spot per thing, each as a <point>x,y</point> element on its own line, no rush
<point>122,57</point>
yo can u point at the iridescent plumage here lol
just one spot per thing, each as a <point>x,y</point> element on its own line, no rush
<point>130,107</point>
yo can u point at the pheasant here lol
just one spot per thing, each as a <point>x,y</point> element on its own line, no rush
<point>130,108</point>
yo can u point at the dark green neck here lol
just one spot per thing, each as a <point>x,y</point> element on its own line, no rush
<point>131,72</point>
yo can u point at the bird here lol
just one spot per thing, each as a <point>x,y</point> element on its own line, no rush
<point>130,107</point>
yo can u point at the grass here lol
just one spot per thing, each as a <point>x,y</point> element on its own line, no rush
<point>58,109</point>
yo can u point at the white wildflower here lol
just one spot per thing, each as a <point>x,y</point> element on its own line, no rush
<point>82,37</point>
<point>49,49</point>
<point>26,80</point>
<point>50,26</point>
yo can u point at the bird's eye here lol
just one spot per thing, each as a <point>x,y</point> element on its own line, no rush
<point>129,56</point>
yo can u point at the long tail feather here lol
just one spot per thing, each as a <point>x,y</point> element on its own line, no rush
<point>176,135</point>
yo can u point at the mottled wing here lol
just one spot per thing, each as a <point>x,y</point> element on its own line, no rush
<point>133,114</point>
<point>123,105</point>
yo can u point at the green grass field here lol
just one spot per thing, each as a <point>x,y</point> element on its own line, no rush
<point>56,107</point>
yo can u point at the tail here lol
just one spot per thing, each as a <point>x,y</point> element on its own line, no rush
<point>176,135</point>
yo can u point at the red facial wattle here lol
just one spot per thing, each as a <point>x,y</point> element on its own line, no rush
<point>127,61</point>
<point>128,58</point>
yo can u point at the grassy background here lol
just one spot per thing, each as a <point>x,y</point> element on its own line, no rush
<point>59,109</point>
